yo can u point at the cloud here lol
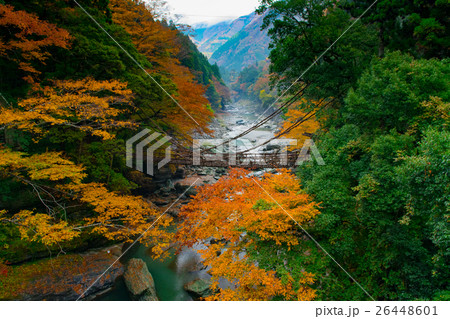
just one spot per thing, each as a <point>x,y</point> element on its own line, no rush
<point>211,11</point>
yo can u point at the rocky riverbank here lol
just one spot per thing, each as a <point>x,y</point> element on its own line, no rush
<point>63,278</point>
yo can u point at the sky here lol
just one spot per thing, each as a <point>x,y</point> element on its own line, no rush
<point>211,11</point>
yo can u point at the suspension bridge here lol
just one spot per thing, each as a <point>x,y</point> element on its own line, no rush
<point>179,154</point>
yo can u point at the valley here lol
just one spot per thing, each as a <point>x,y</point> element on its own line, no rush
<point>102,106</point>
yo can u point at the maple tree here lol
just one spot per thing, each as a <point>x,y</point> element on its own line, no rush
<point>157,43</point>
<point>234,218</point>
<point>82,105</point>
<point>57,181</point>
<point>305,130</point>
<point>77,108</point>
<point>27,40</point>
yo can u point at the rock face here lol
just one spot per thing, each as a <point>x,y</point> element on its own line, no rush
<point>67,277</point>
<point>139,281</point>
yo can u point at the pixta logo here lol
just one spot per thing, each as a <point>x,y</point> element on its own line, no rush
<point>142,148</point>
<point>261,154</point>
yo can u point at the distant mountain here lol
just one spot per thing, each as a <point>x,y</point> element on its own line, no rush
<point>249,46</point>
<point>234,45</point>
<point>210,38</point>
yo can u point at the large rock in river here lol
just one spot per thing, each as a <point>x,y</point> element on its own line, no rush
<point>199,287</point>
<point>139,281</point>
<point>66,277</point>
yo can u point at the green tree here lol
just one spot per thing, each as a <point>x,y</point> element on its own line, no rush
<point>384,200</point>
<point>413,26</point>
<point>389,93</point>
<point>426,178</point>
<point>301,33</point>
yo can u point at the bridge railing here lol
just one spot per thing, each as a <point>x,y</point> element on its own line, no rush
<point>244,160</point>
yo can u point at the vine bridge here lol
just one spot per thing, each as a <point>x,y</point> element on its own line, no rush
<point>252,161</point>
<point>210,157</point>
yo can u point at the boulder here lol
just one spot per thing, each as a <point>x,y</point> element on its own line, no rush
<point>271,147</point>
<point>199,287</point>
<point>69,277</point>
<point>163,174</point>
<point>221,171</point>
<point>191,192</point>
<point>139,281</point>
<point>180,173</point>
<point>180,188</point>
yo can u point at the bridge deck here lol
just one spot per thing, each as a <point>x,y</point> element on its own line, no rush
<point>247,160</point>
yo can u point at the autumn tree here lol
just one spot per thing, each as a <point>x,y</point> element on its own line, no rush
<point>25,40</point>
<point>241,227</point>
<point>92,107</point>
<point>81,105</point>
<point>156,42</point>
<point>306,129</point>
<point>57,182</point>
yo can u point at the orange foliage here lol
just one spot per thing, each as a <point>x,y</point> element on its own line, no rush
<point>78,104</point>
<point>28,39</point>
<point>190,95</point>
<point>156,42</point>
<point>238,214</point>
<point>308,127</point>
<point>150,37</point>
<point>222,89</point>
<point>262,83</point>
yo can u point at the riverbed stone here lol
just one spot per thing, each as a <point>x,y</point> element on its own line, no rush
<point>139,281</point>
<point>180,173</point>
<point>221,171</point>
<point>199,287</point>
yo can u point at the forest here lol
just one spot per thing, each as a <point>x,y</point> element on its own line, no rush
<point>80,78</point>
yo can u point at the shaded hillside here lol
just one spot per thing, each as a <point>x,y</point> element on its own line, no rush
<point>209,75</point>
<point>247,47</point>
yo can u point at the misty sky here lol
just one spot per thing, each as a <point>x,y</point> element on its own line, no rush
<point>211,11</point>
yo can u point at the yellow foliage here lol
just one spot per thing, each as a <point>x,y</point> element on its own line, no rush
<point>308,127</point>
<point>48,166</point>
<point>76,104</point>
<point>124,217</point>
<point>43,228</point>
<point>116,216</point>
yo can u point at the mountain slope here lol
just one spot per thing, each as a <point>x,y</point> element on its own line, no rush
<point>209,39</point>
<point>234,45</point>
<point>247,47</point>
<point>208,75</point>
